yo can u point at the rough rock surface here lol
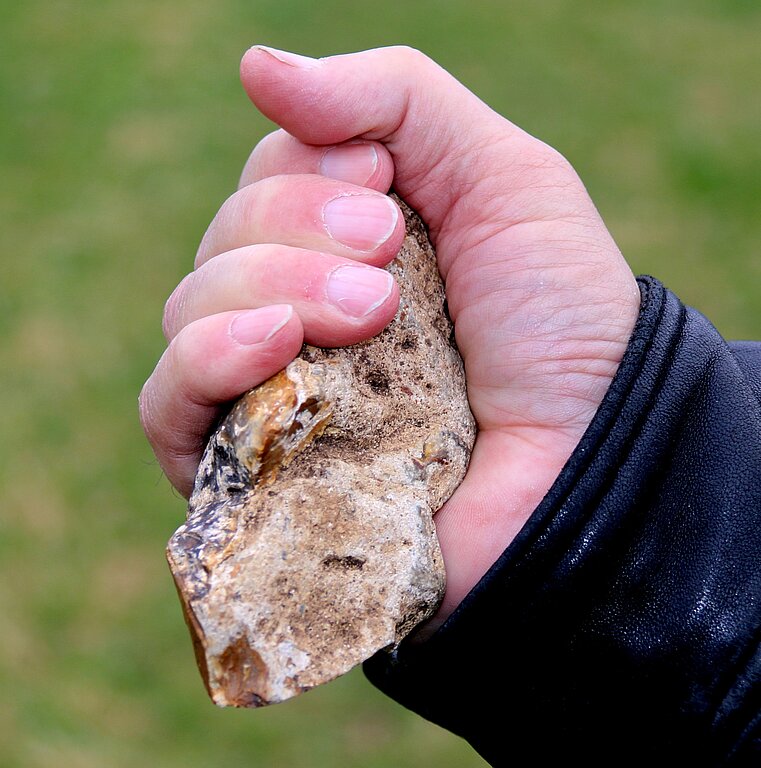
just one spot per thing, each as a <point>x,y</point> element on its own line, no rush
<point>310,543</point>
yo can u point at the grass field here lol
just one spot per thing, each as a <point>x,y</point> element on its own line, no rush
<point>122,129</point>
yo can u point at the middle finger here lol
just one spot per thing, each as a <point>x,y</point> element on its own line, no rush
<point>307,211</point>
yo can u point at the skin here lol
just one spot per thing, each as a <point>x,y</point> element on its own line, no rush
<point>542,300</point>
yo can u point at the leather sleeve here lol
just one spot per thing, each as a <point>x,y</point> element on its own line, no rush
<point>623,622</point>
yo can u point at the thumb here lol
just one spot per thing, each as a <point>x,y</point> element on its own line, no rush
<point>433,126</point>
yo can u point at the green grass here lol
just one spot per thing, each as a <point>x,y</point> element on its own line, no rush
<point>122,129</point>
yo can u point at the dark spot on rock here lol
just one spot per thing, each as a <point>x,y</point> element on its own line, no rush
<point>409,343</point>
<point>378,382</point>
<point>343,562</point>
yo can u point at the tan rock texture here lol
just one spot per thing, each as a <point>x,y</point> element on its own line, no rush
<point>310,544</point>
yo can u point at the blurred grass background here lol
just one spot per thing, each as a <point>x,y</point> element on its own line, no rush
<point>122,129</point>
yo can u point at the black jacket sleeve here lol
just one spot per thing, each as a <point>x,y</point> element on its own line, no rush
<point>624,620</point>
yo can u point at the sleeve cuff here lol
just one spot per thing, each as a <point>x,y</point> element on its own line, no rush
<point>629,602</point>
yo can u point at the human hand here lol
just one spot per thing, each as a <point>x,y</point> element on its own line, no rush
<point>542,300</point>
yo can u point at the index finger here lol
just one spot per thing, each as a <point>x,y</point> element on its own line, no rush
<point>364,163</point>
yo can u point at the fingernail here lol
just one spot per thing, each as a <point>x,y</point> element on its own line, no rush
<point>360,221</point>
<point>354,163</point>
<point>292,59</point>
<point>357,290</point>
<point>258,325</point>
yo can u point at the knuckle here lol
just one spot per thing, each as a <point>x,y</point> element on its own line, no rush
<point>545,158</point>
<point>411,56</point>
<point>259,161</point>
<point>171,317</point>
<point>146,411</point>
<point>194,355</point>
<point>271,140</point>
<point>243,213</point>
<point>225,223</point>
<point>167,319</point>
<point>542,167</point>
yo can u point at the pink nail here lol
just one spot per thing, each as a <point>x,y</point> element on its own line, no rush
<point>360,221</point>
<point>354,163</point>
<point>358,290</point>
<point>259,325</point>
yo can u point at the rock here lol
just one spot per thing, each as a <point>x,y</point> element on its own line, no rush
<point>310,544</point>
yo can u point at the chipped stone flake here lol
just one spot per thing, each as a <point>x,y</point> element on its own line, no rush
<point>310,544</point>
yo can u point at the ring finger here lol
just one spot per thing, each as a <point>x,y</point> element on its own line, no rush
<point>339,301</point>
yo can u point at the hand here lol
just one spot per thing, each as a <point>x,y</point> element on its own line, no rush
<point>542,300</point>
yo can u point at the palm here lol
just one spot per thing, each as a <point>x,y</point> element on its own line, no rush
<point>541,331</point>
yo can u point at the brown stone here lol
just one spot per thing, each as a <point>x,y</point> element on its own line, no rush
<point>310,544</point>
